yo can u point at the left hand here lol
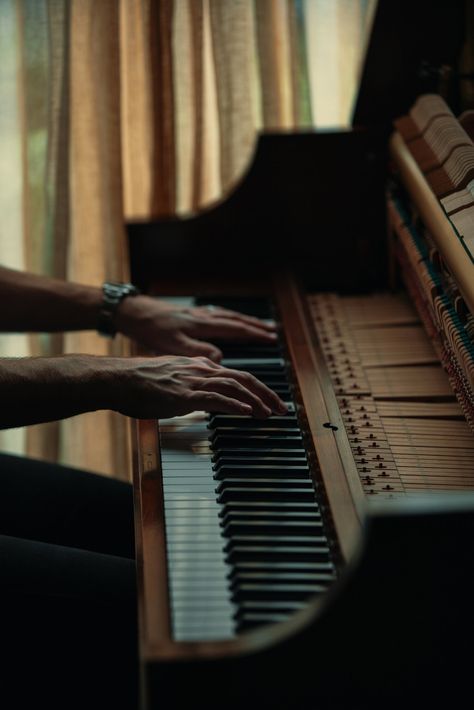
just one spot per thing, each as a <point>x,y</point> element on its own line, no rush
<point>167,329</point>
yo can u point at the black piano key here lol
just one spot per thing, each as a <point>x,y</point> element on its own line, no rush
<point>248,507</point>
<point>246,461</point>
<point>237,441</point>
<point>231,451</point>
<point>271,364</point>
<point>281,576</point>
<point>249,517</point>
<point>283,421</point>
<point>284,392</point>
<point>253,620</point>
<point>322,566</point>
<point>248,350</point>
<point>282,553</point>
<point>272,526</point>
<point>274,538</point>
<point>258,428</point>
<point>277,539</point>
<point>266,607</point>
<point>279,483</point>
<point>273,591</point>
<point>262,471</point>
<point>265,429</point>
<point>276,374</point>
<point>266,494</point>
<point>272,380</point>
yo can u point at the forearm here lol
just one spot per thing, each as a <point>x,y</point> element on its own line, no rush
<point>34,390</point>
<point>36,303</point>
<point>40,389</point>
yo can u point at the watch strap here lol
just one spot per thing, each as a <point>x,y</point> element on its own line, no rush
<point>112,296</point>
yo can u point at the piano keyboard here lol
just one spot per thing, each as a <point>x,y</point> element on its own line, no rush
<point>246,541</point>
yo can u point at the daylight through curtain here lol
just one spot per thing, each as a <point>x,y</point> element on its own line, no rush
<point>141,108</point>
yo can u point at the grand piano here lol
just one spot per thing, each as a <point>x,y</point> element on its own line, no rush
<point>323,559</point>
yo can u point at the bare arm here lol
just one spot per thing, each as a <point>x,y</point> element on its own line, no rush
<point>37,390</point>
<point>37,303</point>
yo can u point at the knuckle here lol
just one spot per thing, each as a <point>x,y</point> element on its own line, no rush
<point>249,379</point>
<point>230,382</point>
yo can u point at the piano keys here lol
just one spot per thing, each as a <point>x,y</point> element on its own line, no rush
<point>246,540</point>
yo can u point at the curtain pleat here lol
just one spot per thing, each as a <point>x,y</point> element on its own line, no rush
<point>136,107</point>
<point>187,93</point>
<point>12,246</point>
<point>299,65</point>
<point>232,24</point>
<point>163,140</point>
<point>97,245</point>
<point>207,188</point>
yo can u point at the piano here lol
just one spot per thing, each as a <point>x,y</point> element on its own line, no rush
<point>321,559</point>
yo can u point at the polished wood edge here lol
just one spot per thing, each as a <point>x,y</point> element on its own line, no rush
<point>341,481</point>
<point>154,618</point>
<point>434,218</point>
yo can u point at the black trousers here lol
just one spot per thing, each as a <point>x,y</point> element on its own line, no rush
<point>68,627</point>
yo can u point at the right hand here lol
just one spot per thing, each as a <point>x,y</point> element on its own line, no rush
<point>168,386</point>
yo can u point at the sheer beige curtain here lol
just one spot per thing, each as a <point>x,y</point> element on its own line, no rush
<point>139,108</point>
<point>61,189</point>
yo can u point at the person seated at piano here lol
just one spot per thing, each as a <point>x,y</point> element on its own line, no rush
<point>67,575</point>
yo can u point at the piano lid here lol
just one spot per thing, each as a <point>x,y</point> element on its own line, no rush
<point>409,45</point>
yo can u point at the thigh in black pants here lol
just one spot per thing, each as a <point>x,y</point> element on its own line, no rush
<point>68,629</point>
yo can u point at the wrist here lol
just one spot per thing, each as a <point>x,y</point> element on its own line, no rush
<point>113,295</point>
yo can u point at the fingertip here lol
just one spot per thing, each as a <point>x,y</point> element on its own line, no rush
<point>262,412</point>
<point>245,408</point>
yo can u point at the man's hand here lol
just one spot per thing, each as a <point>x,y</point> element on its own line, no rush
<point>158,387</point>
<point>164,329</point>
<point>44,389</point>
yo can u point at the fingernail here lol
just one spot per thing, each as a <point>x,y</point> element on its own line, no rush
<point>283,409</point>
<point>246,408</point>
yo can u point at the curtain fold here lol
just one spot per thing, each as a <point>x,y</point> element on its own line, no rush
<point>97,249</point>
<point>137,109</point>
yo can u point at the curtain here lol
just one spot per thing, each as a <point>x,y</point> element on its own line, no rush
<point>125,109</point>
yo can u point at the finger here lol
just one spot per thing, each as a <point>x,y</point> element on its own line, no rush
<point>216,402</point>
<point>218,312</point>
<point>268,397</point>
<point>233,389</point>
<point>199,348</point>
<point>233,330</point>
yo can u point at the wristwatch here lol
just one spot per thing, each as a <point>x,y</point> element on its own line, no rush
<point>113,295</point>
